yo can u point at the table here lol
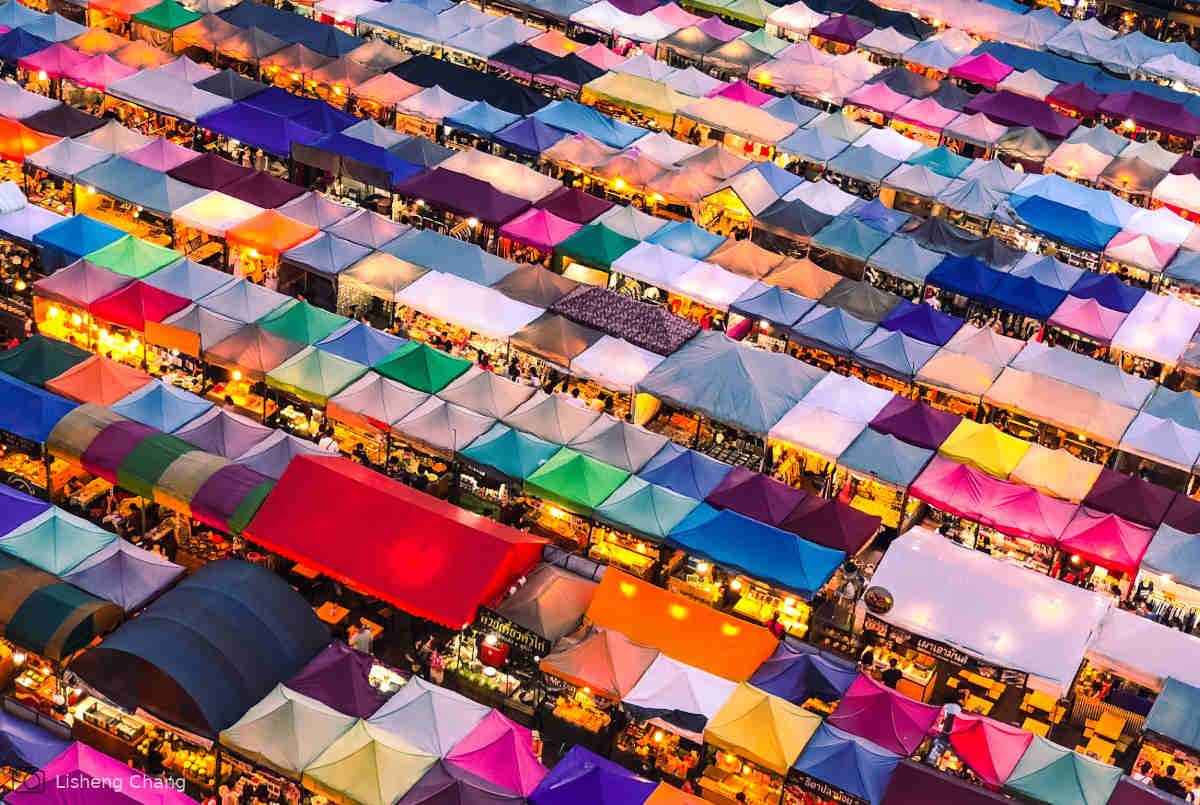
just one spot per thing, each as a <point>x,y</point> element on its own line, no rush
<point>1110,726</point>
<point>976,704</point>
<point>374,628</point>
<point>1036,727</point>
<point>331,613</point>
<point>1100,748</point>
<point>305,572</point>
<point>1042,701</point>
<point>994,689</point>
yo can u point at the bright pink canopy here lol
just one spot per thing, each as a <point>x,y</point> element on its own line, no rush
<point>741,91</point>
<point>879,97</point>
<point>926,113</point>
<point>500,751</point>
<point>878,713</point>
<point>540,229</point>
<point>55,61</point>
<point>983,69</point>
<point>672,14</point>
<point>1106,539</point>
<point>990,748</point>
<point>1010,508</point>
<point>66,780</point>
<point>99,71</point>
<point>1089,317</point>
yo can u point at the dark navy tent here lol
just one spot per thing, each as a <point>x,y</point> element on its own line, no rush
<point>529,136</point>
<point>349,156</point>
<point>848,762</point>
<point>797,672</point>
<point>570,69</point>
<point>1174,713</point>
<point>1056,68</point>
<point>772,303</point>
<point>685,471</point>
<point>24,745</point>
<point>965,276</point>
<point>522,60</point>
<point>471,85</point>
<point>1026,296</point>
<point>308,112</point>
<point>1108,290</point>
<point>923,322</point>
<point>757,549</point>
<point>30,412</point>
<point>831,329</point>
<point>793,217</point>
<point>204,653</point>
<point>1071,225</point>
<point>19,43</point>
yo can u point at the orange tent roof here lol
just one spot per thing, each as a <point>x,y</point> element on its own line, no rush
<point>270,232</point>
<point>670,795</point>
<point>142,55</point>
<point>98,380</point>
<point>679,627</point>
<point>18,141</point>
<point>97,40</point>
<point>122,8</point>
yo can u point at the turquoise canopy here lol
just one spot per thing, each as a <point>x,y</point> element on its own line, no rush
<point>55,541</point>
<point>645,508</point>
<point>510,452</point>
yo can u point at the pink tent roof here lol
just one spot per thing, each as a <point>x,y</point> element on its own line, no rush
<point>1089,317</point>
<point>66,780</point>
<point>1106,539</point>
<point>878,713</point>
<point>926,113</point>
<point>741,91</point>
<point>161,155</point>
<point>540,229</point>
<point>1011,508</point>
<point>601,56</point>
<point>983,69</point>
<point>672,14</point>
<point>879,97</point>
<point>55,61</point>
<point>99,71</point>
<point>719,29</point>
<point>136,304</point>
<point>1138,250</point>
<point>990,748</point>
<point>500,751</point>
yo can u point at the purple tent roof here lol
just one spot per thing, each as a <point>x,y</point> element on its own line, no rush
<point>719,29</point>
<point>17,508</point>
<point>842,29</point>
<point>338,677</point>
<point>1077,96</point>
<point>26,745</point>
<point>922,322</point>
<point>210,172</point>
<point>463,195</point>
<point>918,784</point>
<point>915,422</point>
<point>124,574</point>
<point>223,499</point>
<point>574,205</point>
<point>1130,497</point>
<point>222,433</point>
<point>873,711</point>
<point>80,283</point>
<point>1153,113</point>
<point>756,496</point>
<point>1010,109</point>
<point>111,446</point>
<point>65,779</point>
<point>585,778</point>
<point>447,784</point>
<point>833,524</point>
<point>798,676</point>
<point>1130,792</point>
<point>636,7</point>
<point>263,190</point>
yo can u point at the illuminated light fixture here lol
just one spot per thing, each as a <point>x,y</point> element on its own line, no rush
<point>745,769</point>
<point>76,319</point>
<point>764,77</point>
<point>489,671</point>
<point>729,630</point>
<point>587,690</point>
<point>1075,559</point>
<point>91,191</point>
<point>19,658</point>
<point>628,589</point>
<point>472,222</point>
<point>42,75</point>
<point>659,197</point>
<point>702,567</point>
<point>53,313</point>
<point>237,375</point>
<point>20,285</point>
<point>678,611</point>
<point>254,253</point>
<point>295,76</point>
<point>735,585</point>
<point>619,183</point>
<point>1128,124</point>
<point>491,640</point>
<point>658,736</point>
<point>103,333</point>
<point>134,344</point>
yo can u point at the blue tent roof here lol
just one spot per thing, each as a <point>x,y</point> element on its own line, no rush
<point>905,258</point>
<point>1056,68</point>
<point>813,145</point>
<point>1108,290</point>
<point>424,247</point>
<point>585,778</point>
<point>922,322</point>
<point>1048,271</point>
<point>732,383</point>
<point>161,406</point>
<point>780,180</point>
<point>1174,713</point>
<point>361,343</point>
<point>208,650</point>
<point>688,239</point>
<point>685,471</point>
<point>513,453</point>
<point>308,112</point>
<point>1182,407</point>
<point>481,118</point>
<point>885,457</point>
<point>188,279</point>
<point>1064,223</point>
<point>326,254</point>
<point>71,239</point>
<point>797,672</point>
<point>1027,296</point>
<point>645,508</point>
<point>942,161</point>
<point>832,329</point>
<point>855,765</point>
<point>788,108</point>
<point>133,182</point>
<point>760,550</point>
<point>579,119</point>
<point>377,157</point>
<point>864,163</point>
<point>895,353</point>
<point>55,28</point>
<point>55,541</point>
<point>529,136</point>
<point>24,745</point>
<point>261,129</point>
<point>878,215</point>
<point>30,412</point>
<point>772,303</point>
<point>1176,553</point>
<point>18,43</point>
<point>849,236</point>
<point>1185,266</point>
<point>965,276</point>
<point>16,508</point>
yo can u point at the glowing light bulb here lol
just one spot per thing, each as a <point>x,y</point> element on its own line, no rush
<point>237,375</point>
<point>491,640</point>
<point>619,183</point>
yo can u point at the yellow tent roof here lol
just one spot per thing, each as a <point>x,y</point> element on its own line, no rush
<point>1056,472</point>
<point>636,91</point>
<point>762,728</point>
<point>985,448</point>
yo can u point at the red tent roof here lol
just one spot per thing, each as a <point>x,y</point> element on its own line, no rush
<point>136,304</point>
<point>992,749</point>
<point>1106,539</point>
<point>98,380</point>
<point>424,555</point>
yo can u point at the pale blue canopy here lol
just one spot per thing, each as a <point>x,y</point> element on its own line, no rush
<point>905,258</point>
<point>188,279</point>
<point>361,343</point>
<point>579,119</point>
<point>133,182</point>
<point>831,329</point>
<point>812,145</point>
<point>645,508</point>
<point>772,303</point>
<point>512,453</point>
<point>684,237</point>
<point>430,717</point>
<point>885,457</point>
<point>895,353</point>
<point>161,406</point>
<point>124,574</point>
<point>55,541</point>
<point>326,254</point>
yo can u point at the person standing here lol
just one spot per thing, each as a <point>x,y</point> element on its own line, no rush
<point>892,676</point>
<point>360,639</point>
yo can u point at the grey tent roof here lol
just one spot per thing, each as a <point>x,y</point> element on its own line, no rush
<point>223,433</point>
<point>485,392</point>
<point>212,328</point>
<point>904,257</point>
<point>550,417</point>
<point>551,603</point>
<point>368,229</point>
<point>326,254</point>
<point>861,300</point>
<point>621,444</point>
<point>863,163</point>
<point>972,196</point>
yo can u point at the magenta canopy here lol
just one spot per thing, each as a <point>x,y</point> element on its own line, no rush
<point>873,711</point>
<point>541,229</point>
<point>741,91</point>
<point>1106,539</point>
<point>843,29</point>
<point>70,777</point>
<point>983,69</point>
<point>1089,317</point>
<point>990,748</point>
<point>879,97</point>
<point>500,751</point>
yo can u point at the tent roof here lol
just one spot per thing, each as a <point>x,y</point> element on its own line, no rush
<point>885,457</point>
<point>286,731</point>
<point>442,426</point>
<point>604,659</point>
<point>162,406</point>
<point>1106,539</point>
<point>535,285</point>
<point>431,718</point>
<point>645,508</point>
<point>647,326</point>
<point>990,748</point>
<point>1146,652</point>
<point>763,728</point>
<point>55,541</point>
<point>797,673</point>
<point>891,721</point>
<point>848,763</point>
<point>98,379</point>
<point>1047,770</point>
<point>32,413</point>
<point>315,375</point>
<point>552,601</point>
<point>499,751</point>
<point>584,778</point>
<point>421,367</point>
<point>1169,715</point>
<point>832,329</point>
<point>368,765</point>
<point>374,403</point>
<point>684,471</point>
<point>135,183</point>
<point>984,447</point>
<point>510,452</point>
<point>576,481</point>
<point>471,306</point>
<point>243,301</point>
<point>136,304</point>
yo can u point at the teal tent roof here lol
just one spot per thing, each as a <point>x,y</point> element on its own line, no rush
<point>645,508</point>
<point>772,303</point>
<point>1174,713</point>
<point>55,541</point>
<point>885,457</point>
<point>1050,773</point>
<point>905,258</point>
<point>161,406</point>
<point>510,452</point>
<point>851,237</point>
<point>942,161</point>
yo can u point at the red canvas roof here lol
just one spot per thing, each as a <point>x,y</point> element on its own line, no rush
<point>98,380</point>
<point>136,304</point>
<point>424,555</point>
<point>991,748</point>
<point>1106,539</point>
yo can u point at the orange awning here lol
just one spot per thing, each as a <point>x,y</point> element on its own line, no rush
<point>270,232</point>
<point>121,8</point>
<point>679,627</point>
<point>18,141</point>
<point>97,40</point>
<point>98,380</point>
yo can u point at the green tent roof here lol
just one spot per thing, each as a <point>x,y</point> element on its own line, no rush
<point>133,257</point>
<point>596,246</point>
<point>754,12</point>
<point>646,508</point>
<point>145,464</point>
<point>1050,773</point>
<point>40,359</point>
<point>575,481</point>
<point>302,322</point>
<point>314,375</point>
<point>249,507</point>
<point>55,541</point>
<point>166,16</point>
<point>368,765</point>
<point>44,615</point>
<point>422,367</point>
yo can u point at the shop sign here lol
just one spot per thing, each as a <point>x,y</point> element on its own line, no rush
<point>487,620</point>
<point>943,652</point>
<point>822,789</point>
<point>21,444</point>
<point>879,600</point>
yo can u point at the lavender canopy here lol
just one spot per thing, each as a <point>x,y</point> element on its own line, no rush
<point>223,433</point>
<point>798,672</point>
<point>338,677</point>
<point>124,574</point>
<point>27,746</point>
<point>915,422</point>
<point>17,508</point>
<point>271,456</point>
<point>585,778</point>
<point>449,784</point>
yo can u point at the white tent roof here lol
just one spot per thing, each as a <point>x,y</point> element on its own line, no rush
<point>215,213</point>
<point>890,143</point>
<point>1028,82</point>
<point>630,222</point>
<point>19,103</point>
<point>431,104</point>
<point>848,396</point>
<point>976,128</point>
<point>615,363</point>
<point>645,67</point>
<point>1158,327</point>
<point>855,65</point>
<point>753,189</point>
<point>492,38</point>
<point>1161,224</point>
<point>166,93</point>
<point>1179,190</point>
<point>187,70</point>
<point>1060,403</point>
<point>651,263</point>
<point>739,118</point>
<point>690,81</point>
<point>1137,251</point>
<point>1078,161</point>
<point>601,16</point>
<point>1139,649</point>
<point>795,17</point>
<point>645,28</point>
<point>995,610</point>
<point>286,731</point>
<point>804,52</point>
<point>1103,378</point>
<point>1163,440</point>
<point>443,425</point>
<point>663,149</point>
<point>505,175</point>
<point>1152,153</point>
<point>888,41</point>
<point>821,81</point>
<point>826,433</point>
<point>712,285</point>
<point>823,196</point>
<point>956,39</point>
<point>473,307</point>
<point>1174,68</point>
<point>67,157</point>
<point>673,686</point>
<point>347,10</point>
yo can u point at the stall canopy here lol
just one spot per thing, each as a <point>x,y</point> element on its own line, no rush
<point>1047,771</point>
<point>604,659</point>
<point>800,673</point>
<point>551,603</point>
<point>1170,717</point>
<point>678,695</point>
<point>618,443</point>
<point>81,768</point>
<point>302,322</point>
<point>918,784</point>
<point>367,765</point>
<point>576,481</point>
<point>286,731</point>
<point>135,305</point>
<point>339,677</point>
<point>124,574</point>
<point>293,520</point>
<point>584,778</point>
<point>499,751</point>
<point>756,496</point>
<point>41,359</point>
<point>984,447</point>
<point>1130,498</point>
<point>990,748</point>
<point>99,380</point>
<point>1146,652</point>
<point>848,763</point>
<point>554,338</point>
<point>71,239</point>
<point>25,745</point>
<point>252,351</point>
<point>684,471</point>
<point>162,406</point>
<point>890,720</point>
<point>432,718</point>
<point>762,728</point>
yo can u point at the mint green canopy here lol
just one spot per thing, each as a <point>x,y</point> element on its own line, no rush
<point>55,541</point>
<point>1050,773</point>
<point>314,375</point>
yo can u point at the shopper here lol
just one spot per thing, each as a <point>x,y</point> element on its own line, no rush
<point>1167,782</point>
<point>360,639</point>
<point>892,676</point>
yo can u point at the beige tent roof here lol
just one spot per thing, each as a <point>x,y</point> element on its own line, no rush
<point>633,90</point>
<point>1062,404</point>
<point>955,371</point>
<point>1056,472</point>
<point>748,121</point>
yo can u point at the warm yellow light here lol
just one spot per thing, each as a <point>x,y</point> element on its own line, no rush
<point>254,253</point>
<point>659,197</point>
<point>53,313</point>
<point>42,75</point>
<point>91,191</point>
<point>103,333</point>
<point>764,77</point>
<point>628,589</point>
<point>745,769</point>
<point>702,567</point>
<point>587,690</point>
<point>20,286</point>
<point>730,630</point>
<point>237,375</point>
<point>295,76</point>
<point>472,222</point>
<point>641,547</point>
<point>76,319</point>
<point>658,736</point>
<point>1075,559</point>
<point>491,640</point>
<point>557,512</point>
<point>134,344</point>
<point>730,758</point>
<point>735,585</point>
<point>678,611</point>
<point>619,183</point>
